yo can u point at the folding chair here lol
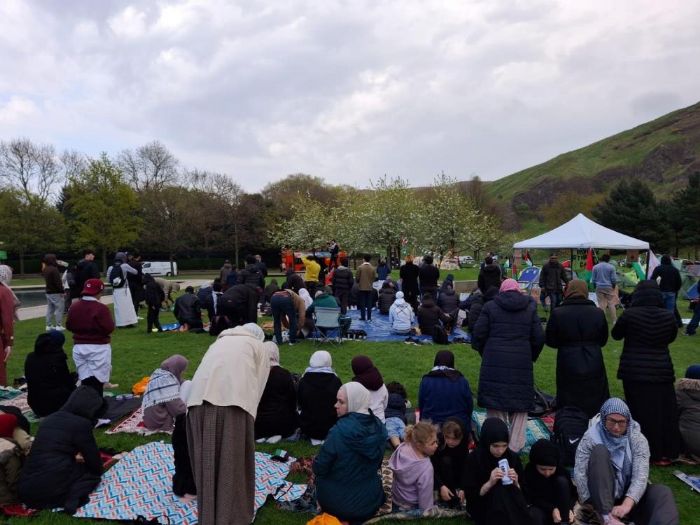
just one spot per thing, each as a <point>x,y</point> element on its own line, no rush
<point>327,325</point>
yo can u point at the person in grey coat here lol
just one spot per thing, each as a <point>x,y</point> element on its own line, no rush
<point>611,472</point>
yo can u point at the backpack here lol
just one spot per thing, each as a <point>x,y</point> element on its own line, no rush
<point>570,424</point>
<point>544,403</point>
<point>116,275</point>
<point>440,335</point>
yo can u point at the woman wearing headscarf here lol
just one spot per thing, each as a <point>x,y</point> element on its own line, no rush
<point>162,402</point>
<point>490,501</point>
<point>688,396</point>
<point>49,382</point>
<point>222,404</point>
<point>444,392</point>
<point>547,486</point>
<point>509,337</point>
<point>9,304</point>
<point>578,329</point>
<point>612,471</point>
<point>124,312</point>
<point>64,464</point>
<point>646,369</point>
<point>369,376</point>
<point>277,411</point>
<point>401,315</point>
<point>316,394</point>
<point>348,485</point>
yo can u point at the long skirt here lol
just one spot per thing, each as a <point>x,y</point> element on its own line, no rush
<point>653,406</point>
<point>222,453</point>
<point>124,313</point>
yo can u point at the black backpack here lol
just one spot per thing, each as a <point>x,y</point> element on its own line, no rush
<point>116,275</point>
<point>570,424</point>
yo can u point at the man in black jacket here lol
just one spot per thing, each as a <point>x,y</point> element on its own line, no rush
<point>188,311</point>
<point>87,269</point>
<point>489,275</point>
<point>670,284</point>
<point>342,284</point>
<point>553,278</point>
<point>428,276</point>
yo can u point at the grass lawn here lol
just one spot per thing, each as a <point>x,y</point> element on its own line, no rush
<point>136,354</point>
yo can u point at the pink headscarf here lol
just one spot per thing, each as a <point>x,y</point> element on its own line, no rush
<point>510,285</point>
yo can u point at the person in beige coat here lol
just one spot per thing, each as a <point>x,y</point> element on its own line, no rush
<point>366,275</point>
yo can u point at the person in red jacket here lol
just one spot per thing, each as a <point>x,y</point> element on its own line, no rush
<point>8,315</point>
<point>91,323</point>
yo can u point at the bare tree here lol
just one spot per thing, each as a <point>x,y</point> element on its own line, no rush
<point>73,163</point>
<point>150,167</point>
<point>33,169</point>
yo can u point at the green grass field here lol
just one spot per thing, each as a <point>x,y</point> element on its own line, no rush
<point>136,354</point>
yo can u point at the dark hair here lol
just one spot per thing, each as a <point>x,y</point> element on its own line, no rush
<point>216,286</point>
<point>88,252</point>
<point>250,259</point>
<point>452,429</point>
<point>396,388</point>
<point>310,257</point>
<point>344,261</point>
<point>488,260</point>
<point>666,259</point>
<point>605,257</point>
<point>428,259</point>
<point>189,289</point>
<point>427,296</point>
<point>367,258</point>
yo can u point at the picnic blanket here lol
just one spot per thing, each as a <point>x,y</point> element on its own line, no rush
<point>134,425</point>
<point>141,484</point>
<point>20,401</point>
<point>536,429</point>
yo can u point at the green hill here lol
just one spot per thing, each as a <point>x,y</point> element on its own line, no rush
<point>661,152</point>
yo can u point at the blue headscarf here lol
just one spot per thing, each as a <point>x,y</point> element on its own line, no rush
<point>618,447</point>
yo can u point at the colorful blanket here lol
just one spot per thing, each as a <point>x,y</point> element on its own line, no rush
<point>141,484</point>
<point>536,429</point>
<point>20,401</point>
<point>134,425</point>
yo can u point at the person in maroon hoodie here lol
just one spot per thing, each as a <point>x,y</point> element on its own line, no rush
<point>91,323</point>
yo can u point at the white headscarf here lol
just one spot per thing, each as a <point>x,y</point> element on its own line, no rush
<point>358,397</point>
<point>5,280</point>
<point>273,350</point>
<point>304,294</point>
<point>321,362</point>
<point>254,330</point>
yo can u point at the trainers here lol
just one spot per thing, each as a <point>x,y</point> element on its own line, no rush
<point>59,328</point>
<point>317,442</point>
<point>274,439</point>
<point>49,328</point>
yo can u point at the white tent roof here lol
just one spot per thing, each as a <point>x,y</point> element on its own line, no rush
<point>582,232</point>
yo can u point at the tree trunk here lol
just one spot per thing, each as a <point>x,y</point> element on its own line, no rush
<point>21,262</point>
<point>235,244</point>
<point>172,268</point>
<point>104,260</point>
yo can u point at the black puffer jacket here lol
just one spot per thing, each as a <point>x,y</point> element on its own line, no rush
<point>316,394</point>
<point>670,277</point>
<point>428,275</point>
<point>553,277</point>
<point>342,279</point>
<point>409,276</point>
<point>509,337</point>
<point>387,296</point>
<point>429,315</point>
<point>448,301</point>
<point>478,300</point>
<point>252,276</point>
<point>647,328</point>
<point>277,410</point>
<point>489,275</point>
<point>49,382</point>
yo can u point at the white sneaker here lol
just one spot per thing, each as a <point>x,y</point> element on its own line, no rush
<point>59,328</point>
<point>49,328</point>
<point>317,442</point>
<point>274,439</point>
<point>261,440</point>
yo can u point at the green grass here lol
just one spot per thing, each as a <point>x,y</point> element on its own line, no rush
<point>136,354</point>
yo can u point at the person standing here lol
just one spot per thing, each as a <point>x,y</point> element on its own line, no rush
<point>54,293</point>
<point>509,337</point>
<point>366,275</point>
<point>552,279</point>
<point>154,296</point>
<point>124,313</point>
<point>604,278</point>
<point>428,275</point>
<point>334,248</point>
<point>670,284</point>
<point>342,284</point>
<point>87,269</point>
<point>312,269</point>
<point>409,282</point>
<point>579,331</point>
<point>135,281</point>
<point>222,404</point>
<point>226,269</point>
<point>646,369</point>
<point>489,275</point>
<point>8,315</point>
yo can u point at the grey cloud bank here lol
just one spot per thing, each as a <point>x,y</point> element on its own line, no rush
<point>347,91</point>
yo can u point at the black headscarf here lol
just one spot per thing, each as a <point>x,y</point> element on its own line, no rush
<point>544,453</point>
<point>366,373</point>
<point>494,430</point>
<point>647,293</point>
<point>446,359</point>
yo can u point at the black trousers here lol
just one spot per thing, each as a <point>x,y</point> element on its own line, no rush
<point>343,297</point>
<point>152,318</point>
<point>183,479</point>
<point>80,488</point>
<point>560,497</point>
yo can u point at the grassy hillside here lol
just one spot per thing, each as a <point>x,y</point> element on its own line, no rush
<point>661,152</point>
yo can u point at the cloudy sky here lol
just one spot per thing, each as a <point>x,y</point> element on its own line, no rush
<point>345,90</point>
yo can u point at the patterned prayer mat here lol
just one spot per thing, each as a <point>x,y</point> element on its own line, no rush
<point>141,484</point>
<point>536,429</point>
<point>20,401</point>
<point>134,425</point>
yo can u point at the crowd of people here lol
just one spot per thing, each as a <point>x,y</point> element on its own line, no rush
<point>240,394</point>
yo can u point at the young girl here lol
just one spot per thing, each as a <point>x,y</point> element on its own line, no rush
<point>547,486</point>
<point>449,462</point>
<point>489,500</point>
<point>412,490</point>
<point>396,413</point>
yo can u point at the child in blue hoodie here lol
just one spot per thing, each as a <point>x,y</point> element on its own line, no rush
<point>412,490</point>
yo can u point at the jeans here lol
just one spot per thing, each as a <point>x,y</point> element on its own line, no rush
<point>365,305</point>
<point>669,300</point>
<point>54,308</point>
<point>283,305</point>
<point>693,324</point>
<point>555,298</point>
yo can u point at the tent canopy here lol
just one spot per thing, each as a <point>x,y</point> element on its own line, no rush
<point>582,233</point>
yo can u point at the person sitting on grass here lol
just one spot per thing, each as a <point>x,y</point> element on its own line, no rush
<point>15,443</point>
<point>449,462</point>
<point>316,394</point>
<point>387,296</point>
<point>493,498</point>
<point>49,381</point>
<point>277,410</point>
<point>401,315</point>
<point>430,315</point>
<point>611,471</point>
<point>188,311</point>
<point>547,486</point>
<point>396,413</point>
<point>412,490</point>
<point>162,402</point>
<point>444,392</point>
<point>64,465</point>
<point>369,376</point>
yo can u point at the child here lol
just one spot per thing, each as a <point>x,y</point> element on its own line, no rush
<point>449,462</point>
<point>547,486</point>
<point>395,413</point>
<point>412,490</point>
<point>489,500</point>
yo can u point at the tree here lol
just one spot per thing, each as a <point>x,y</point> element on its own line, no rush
<point>104,207</point>
<point>30,168</point>
<point>150,167</point>
<point>684,214</point>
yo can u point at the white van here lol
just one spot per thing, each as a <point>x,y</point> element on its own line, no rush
<point>159,268</point>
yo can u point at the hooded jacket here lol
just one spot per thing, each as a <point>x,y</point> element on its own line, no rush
<point>670,276</point>
<point>342,279</point>
<point>348,485</point>
<point>552,276</point>
<point>387,296</point>
<point>49,382</point>
<point>401,316</point>
<point>429,315</point>
<point>448,300</point>
<point>413,478</point>
<point>51,466</point>
<point>51,275</point>
<point>489,275</point>
<point>509,337</point>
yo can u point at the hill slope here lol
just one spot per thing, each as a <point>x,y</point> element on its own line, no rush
<point>661,152</point>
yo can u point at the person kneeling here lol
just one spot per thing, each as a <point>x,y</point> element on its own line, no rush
<point>277,410</point>
<point>547,486</point>
<point>611,471</point>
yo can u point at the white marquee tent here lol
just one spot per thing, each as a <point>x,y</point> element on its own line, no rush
<point>582,233</point>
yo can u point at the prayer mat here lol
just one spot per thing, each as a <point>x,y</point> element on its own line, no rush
<point>119,407</point>
<point>692,481</point>
<point>141,484</point>
<point>8,392</point>
<point>20,401</point>
<point>134,425</point>
<point>536,429</point>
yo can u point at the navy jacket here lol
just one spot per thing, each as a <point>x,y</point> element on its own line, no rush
<point>348,485</point>
<point>441,397</point>
<point>509,337</point>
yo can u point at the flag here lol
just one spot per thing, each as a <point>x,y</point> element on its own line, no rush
<point>589,260</point>
<point>527,259</point>
<point>653,262</point>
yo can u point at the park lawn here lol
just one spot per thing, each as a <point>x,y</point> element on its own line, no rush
<point>136,354</point>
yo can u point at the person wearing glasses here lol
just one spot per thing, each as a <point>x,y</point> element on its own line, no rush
<point>611,471</point>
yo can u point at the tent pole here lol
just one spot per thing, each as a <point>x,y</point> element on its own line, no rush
<point>646,270</point>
